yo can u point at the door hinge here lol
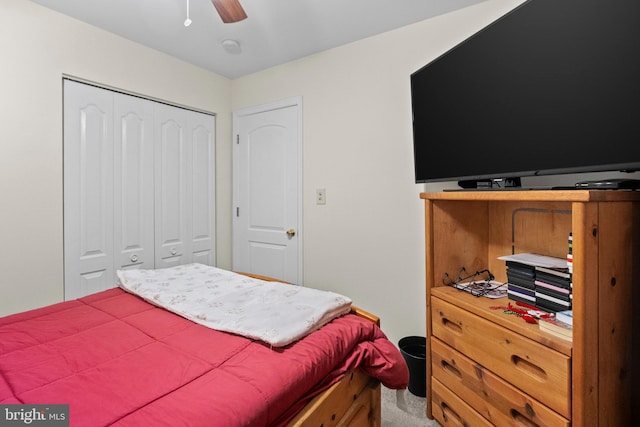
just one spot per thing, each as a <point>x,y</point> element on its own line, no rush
<point>238,139</point>
<point>237,211</point>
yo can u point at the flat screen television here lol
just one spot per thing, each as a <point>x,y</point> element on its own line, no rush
<point>552,87</point>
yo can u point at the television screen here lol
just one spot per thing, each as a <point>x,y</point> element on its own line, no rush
<point>553,87</point>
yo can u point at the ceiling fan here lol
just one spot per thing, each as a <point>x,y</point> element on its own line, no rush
<point>229,10</point>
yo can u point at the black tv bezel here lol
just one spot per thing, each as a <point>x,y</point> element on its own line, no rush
<point>618,167</point>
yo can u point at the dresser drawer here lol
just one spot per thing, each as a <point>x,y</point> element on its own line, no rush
<point>495,399</point>
<point>539,371</point>
<point>450,410</point>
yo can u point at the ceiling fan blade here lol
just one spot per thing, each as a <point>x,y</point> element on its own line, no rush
<point>229,10</point>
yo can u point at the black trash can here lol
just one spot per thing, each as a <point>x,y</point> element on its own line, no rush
<point>414,351</point>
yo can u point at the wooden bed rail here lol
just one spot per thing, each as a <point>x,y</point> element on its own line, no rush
<point>355,401</point>
<point>354,310</point>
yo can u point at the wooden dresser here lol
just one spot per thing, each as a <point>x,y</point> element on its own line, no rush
<point>486,367</point>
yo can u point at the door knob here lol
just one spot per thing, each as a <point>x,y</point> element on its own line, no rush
<point>291,232</point>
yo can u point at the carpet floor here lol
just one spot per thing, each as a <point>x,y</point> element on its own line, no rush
<point>401,408</point>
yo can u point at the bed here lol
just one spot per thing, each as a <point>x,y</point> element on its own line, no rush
<point>119,358</point>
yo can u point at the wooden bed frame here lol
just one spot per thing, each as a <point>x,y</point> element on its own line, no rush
<point>354,401</point>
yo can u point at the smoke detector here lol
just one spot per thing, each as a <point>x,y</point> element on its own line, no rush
<point>231,46</point>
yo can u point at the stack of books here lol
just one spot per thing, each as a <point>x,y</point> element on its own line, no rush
<point>521,282</point>
<point>556,327</point>
<point>565,316</point>
<point>553,288</point>
<point>539,280</point>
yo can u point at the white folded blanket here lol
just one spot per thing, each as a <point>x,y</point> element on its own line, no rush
<point>273,312</point>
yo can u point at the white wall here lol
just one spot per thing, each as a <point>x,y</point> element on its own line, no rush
<point>368,240</point>
<point>38,46</point>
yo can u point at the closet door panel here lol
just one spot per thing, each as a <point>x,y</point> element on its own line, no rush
<point>201,127</point>
<point>133,178</point>
<point>139,186</point>
<point>88,190</point>
<point>172,185</point>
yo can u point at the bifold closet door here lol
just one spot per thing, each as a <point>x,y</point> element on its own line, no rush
<point>133,202</point>
<point>138,186</point>
<point>88,190</point>
<point>108,186</point>
<point>184,192</point>
<point>203,213</point>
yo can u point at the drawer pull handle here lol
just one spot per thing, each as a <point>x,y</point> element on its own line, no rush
<point>529,368</point>
<point>450,415</point>
<point>522,420</point>
<point>451,325</point>
<point>450,368</point>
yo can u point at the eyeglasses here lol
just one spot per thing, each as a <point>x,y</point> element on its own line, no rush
<point>480,283</point>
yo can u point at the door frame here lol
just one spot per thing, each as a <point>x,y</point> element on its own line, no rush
<point>295,101</point>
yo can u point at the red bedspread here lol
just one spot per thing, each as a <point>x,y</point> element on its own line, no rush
<point>117,360</point>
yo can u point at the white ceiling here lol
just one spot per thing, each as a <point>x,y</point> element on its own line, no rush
<point>275,32</point>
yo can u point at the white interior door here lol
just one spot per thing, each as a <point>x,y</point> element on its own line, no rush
<point>267,191</point>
